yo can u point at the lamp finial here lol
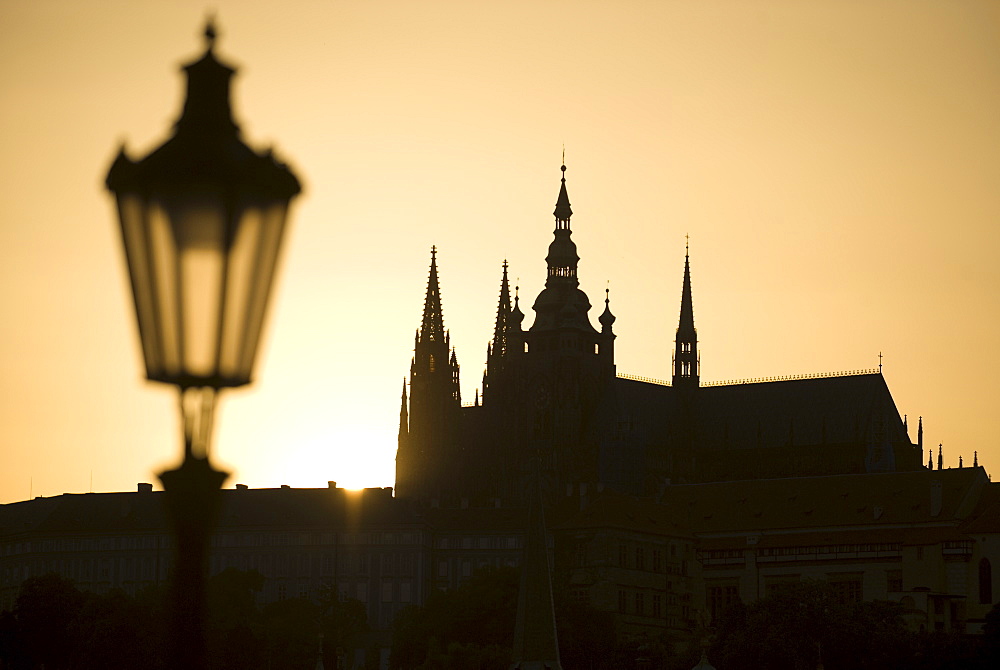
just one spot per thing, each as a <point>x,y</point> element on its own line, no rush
<point>210,32</point>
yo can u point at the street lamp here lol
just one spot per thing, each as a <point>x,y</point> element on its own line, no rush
<point>202,219</point>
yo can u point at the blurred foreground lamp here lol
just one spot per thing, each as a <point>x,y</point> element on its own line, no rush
<point>202,218</point>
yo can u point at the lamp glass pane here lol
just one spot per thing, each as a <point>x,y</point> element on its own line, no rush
<point>199,224</point>
<point>165,284</point>
<point>272,227</point>
<point>242,270</point>
<point>132,214</point>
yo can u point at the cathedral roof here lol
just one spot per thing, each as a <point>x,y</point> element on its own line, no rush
<point>811,411</point>
<point>824,410</point>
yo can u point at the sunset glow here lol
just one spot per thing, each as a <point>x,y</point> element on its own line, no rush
<point>834,163</point>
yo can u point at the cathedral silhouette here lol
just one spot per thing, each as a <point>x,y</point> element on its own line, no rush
<point>551,390</point>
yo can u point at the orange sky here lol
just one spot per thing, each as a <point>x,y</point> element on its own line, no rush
<point>835,163</point>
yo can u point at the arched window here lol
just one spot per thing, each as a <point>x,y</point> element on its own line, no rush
<point>985,582</point>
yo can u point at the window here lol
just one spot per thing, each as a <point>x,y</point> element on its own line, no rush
<point>387,592</point>
<point>720,597</point>
<point>657,560</point>
<point>894,581</point>
<point>622,556</point>
<point>432,362</point>
<point>640,604</point>
<point>985,582</point>
<point>657,606</point>
<point>405,592</point>
<point>282,591</point>
<point>846,588</point>
<point>640,559</point>
<point>442,568</point>
<point>621,602</point>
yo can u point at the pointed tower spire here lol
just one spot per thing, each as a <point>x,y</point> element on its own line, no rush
<point>432,324</point>
<point>404,419</point>
<point>503,317</point>
<point>940,457</point>
<point>930,459</point>
<point>920,434</point>
<point>686,362</point>
<point>563,211</point>
<point>975,459</point>
<point>506,326</point>
<point>456,383</point>
<point>422,463</point>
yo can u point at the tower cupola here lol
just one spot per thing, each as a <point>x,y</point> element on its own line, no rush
<point>562,304</point>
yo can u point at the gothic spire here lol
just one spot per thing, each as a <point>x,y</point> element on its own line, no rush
<point>686,342</point>
<point>686,325</point>
<point>503,317</point>
<point>432,324</point>
<point>404,419</point>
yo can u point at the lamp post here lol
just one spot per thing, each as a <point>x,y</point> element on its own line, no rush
<point>202,218</point>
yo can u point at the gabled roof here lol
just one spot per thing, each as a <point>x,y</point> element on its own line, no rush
<point>812,411</point>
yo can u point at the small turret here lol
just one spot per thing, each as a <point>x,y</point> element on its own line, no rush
<point>607,319</point>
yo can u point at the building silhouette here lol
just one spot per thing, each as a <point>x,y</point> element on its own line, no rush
<point>664,503</point>
<point>551,389</point>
